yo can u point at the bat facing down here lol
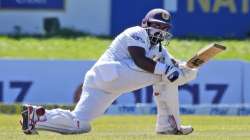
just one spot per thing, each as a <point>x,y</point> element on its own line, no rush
<point>205,54</point>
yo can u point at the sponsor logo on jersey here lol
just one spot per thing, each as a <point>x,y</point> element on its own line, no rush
<point>136,37</point>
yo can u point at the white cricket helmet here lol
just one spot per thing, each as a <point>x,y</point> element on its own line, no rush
<point>157,24</point>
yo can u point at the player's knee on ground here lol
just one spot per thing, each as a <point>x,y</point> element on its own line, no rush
<point>63,121</point>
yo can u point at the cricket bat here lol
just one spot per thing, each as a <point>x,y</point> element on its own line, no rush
<point>205,54</point>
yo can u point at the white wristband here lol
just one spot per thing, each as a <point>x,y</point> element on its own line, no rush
<point>160,68</point>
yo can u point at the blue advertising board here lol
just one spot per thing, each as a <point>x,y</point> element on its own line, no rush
<point>209,18</point>
<point>41,81</point>
<point>230,18</point>
<point>219,89</point>
<point>145,109</point>
<point>32,4</point>
<point>246,86</point>
<point>216,83</point>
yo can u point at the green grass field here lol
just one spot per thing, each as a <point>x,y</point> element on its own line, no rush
<point>124,127</point>
<point>138,128</point>
<point>92,47</point>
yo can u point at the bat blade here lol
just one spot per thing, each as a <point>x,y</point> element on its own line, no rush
<point>205,55</point>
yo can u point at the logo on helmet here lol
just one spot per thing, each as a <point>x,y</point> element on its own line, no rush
<point>165,16</point>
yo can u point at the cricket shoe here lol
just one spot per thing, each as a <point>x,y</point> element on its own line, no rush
<point>31,115</point>
<point>184,130</point>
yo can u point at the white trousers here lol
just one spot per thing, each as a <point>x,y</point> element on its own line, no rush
<point>98,95</point>
<point>62,121</point>
<point>95,99</point>
<point>93,103</point>
<point>167,100</point>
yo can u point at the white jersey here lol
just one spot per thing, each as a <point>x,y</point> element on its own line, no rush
<point>134,36</point>
<point>108,68</point>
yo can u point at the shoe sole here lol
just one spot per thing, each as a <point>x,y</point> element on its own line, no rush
<point>25,116</point>
<point>25,122</point>
<point>177,132</point>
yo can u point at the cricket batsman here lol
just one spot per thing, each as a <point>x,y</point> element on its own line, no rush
<point>135,59</point>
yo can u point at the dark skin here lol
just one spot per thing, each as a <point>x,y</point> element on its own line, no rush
<point>164,27</point>
<point>138,54</point>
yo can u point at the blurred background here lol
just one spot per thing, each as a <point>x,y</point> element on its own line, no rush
<point>46,47</point>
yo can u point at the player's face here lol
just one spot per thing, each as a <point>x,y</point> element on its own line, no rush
<point>163,27</point>
<point>158,32</point>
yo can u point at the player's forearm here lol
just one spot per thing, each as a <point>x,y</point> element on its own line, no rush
<point>146,64</point>
<point>138,55</point>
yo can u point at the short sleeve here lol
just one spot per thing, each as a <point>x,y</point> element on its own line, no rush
<point>135,40</point>
<point>136,37</point>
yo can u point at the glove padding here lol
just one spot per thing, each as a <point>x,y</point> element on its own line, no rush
<point>172,73</point>
<point>179,74</point>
